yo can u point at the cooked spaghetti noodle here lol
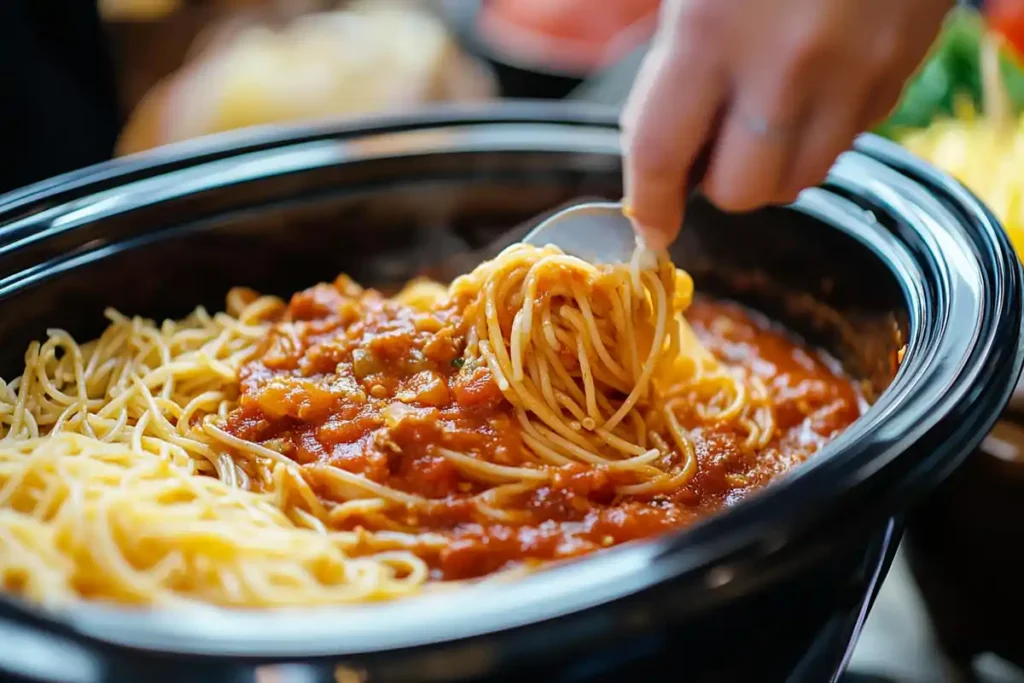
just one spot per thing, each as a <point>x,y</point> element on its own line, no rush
<point>347,446</point>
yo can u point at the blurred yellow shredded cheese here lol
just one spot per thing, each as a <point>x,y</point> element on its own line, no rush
<point>987,158</point>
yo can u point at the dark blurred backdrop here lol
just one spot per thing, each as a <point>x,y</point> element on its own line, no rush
<point>60,106</point>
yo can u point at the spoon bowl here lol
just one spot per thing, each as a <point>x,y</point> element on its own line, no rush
<point>597,232</point>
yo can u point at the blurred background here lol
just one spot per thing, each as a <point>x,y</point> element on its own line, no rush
<point>89,79</point>
<point>85,81</point>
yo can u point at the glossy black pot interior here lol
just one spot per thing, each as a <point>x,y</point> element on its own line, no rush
<point>888,253</point>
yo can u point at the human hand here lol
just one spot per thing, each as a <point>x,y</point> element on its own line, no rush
<point>774,89</point>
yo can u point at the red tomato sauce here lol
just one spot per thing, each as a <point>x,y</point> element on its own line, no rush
<point>350,378</point>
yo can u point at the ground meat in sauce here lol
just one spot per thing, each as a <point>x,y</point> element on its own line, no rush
<point>373,387</point>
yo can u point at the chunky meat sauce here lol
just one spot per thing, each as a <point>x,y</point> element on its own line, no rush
<point>375,387</point>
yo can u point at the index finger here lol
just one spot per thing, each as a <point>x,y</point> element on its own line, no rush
<point>669,115</point>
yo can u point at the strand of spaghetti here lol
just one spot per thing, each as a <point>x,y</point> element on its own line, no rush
<point>243,446</point>
<point>192,407</point>
<point>486,502</point>
<point>520,331</point>
<point>575,412</point>
<point>621,321</point>
<point>226,471</point>
<point>496,342</point>
<point>359,506</point>
<point>305,519</point>
<point>538,373</point>
<point>95,359</point>
<point>396,540</point>
<point>386,492</point>
<point>503,515</point>
<point>565,381</point>
<point>140,428</point>
<point>526,396</point>
<point>595,347</point>
<point>738,402</point>
<point>589,390</point>
<point>290,478</point>
<point>530,296</point>
<point>662,484</point>
<point>158,343</point>
<point>372,517</point>
<point>645,458</point>
<point>620,444</point>
<point>21,413</point>
<point>590,325</point>
<point>579,453</point>
<point>76,355</point>
<point>682,441</point>
<point>166,431</point>
<point>547,435</point>
<point>636,458</point>
<point>624,446</point>
<point>652,356</point>
<point>547,324</point>
<point>493,472</point>
<point>537,444</point>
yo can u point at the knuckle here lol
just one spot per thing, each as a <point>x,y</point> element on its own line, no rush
<point>820,49</point>
<point>811,51</point>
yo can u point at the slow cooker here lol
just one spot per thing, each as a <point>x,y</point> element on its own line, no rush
<point>888,259</point>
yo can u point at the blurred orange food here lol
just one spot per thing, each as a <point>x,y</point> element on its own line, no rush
<point>1007,18</point>
<point>580,35</point>
<point>370,57</point>
<point>137,10</point>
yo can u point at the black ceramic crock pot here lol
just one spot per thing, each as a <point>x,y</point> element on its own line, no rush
<point>887,253</point>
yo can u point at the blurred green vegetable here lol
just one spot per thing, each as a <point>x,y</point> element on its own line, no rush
<point>952,73</point>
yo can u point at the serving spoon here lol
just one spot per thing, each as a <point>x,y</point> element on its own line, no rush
<point>462,262</point>
<point>591,228</point>
<point>597,232</point>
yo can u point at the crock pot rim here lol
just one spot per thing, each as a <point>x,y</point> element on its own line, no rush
<point>207,148</point>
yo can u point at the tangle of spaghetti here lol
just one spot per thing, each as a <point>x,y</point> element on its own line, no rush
<point>346,446</point>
